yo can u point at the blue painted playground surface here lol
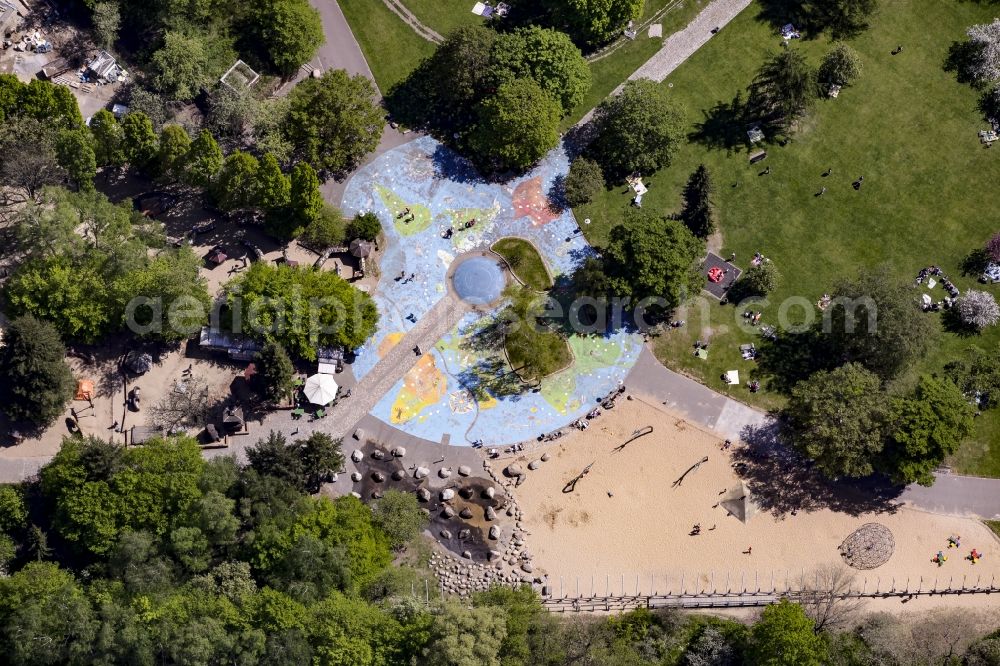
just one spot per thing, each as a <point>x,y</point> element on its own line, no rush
<point>419,191</point>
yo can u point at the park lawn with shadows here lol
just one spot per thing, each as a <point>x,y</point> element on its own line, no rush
<point>391,47</point>
<point>525,261</point>
<point>443,16</point>
<point>907,125</point>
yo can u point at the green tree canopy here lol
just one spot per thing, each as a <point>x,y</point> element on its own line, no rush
<point>272,187</point>
<point>638,130</point>
<point>784,636</point>
<point>838,419</point>
<point>139,139</point>
<point>466,637</point>
<point>275,372</point>
<point>235,187</point>
<point>329,229</point>
<point>109,137</point>
<point>37,382</point>
<point>761,279</point>
<point>287,32</point>
<point>152,488</point>
<point>594,22</point>
<point>321,309</point>
<point>334,121</point>
<point>203,161</point>
<point>873,321</point>
<point>646,256</point>
<point>398,515</point>
<point>697,211</point>
<point>782,91</point>
<point>365,226</point>
<point>842,65</point>
<point>925,429</point>
<point>517,126</point>
<point>546,56</point>
<point>174,146</point>
<point>179,68</point>
<point>584,182</point>
<point>75,152</point>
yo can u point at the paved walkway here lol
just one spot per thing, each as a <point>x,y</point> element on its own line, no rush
<point>682,44</point>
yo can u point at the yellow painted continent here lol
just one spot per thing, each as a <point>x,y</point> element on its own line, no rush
<point>424,385</point>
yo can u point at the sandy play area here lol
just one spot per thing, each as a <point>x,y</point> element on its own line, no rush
<point>626,518</point>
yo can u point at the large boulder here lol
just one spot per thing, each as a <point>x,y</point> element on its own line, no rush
<point>423,494</point>
<point>355,476</point>
<point>466,513</point>
<point>399,452</point>
<point>421,472</point>
<point>464,470</point>
<point>534,464</point>
<point>494,532</point>
<point>357,456</point>
<point>447,494</point>
<point>514,469</point>
<point>490,513</point>
<point>444,472</point>
<point>447,512</point>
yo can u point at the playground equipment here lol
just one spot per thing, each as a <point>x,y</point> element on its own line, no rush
<point>641,432</point>
<point>571,486</point>
<point>868,547</point>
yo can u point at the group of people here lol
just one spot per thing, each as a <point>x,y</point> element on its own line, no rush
<point>926,274</point>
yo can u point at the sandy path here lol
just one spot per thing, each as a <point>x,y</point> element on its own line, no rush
<point>643,530</point>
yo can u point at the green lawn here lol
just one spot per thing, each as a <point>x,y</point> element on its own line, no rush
<point>994,525</point>
<point>525,261</point>
<point>391,47</point>
<point>907,126</point>
<point>609,72</point>
<point>443,16</point>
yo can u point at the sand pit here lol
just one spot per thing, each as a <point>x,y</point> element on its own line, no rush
<point>626,519</point>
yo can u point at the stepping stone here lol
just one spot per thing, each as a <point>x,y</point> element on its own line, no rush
<point>357,455</point>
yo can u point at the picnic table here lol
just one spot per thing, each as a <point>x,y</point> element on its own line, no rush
<point>298,413</point>
<point>320,413</point>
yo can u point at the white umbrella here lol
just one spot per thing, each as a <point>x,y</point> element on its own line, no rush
<point>320,389</point>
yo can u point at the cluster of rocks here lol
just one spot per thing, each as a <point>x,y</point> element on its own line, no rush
<point>458,574</point>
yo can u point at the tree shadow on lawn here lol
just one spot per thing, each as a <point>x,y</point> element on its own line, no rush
<point>952,323</point>
<point>791,358</point>
<point>975,262</point>
<point>781,481</point>
<point>723,126</point>
<point>961,59</point>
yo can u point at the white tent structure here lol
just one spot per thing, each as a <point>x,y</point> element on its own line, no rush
<point>320,389</point>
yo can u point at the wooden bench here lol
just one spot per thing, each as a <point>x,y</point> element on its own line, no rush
<point>757,156</point>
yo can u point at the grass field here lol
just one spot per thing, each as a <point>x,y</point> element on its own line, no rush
<point>994,525</point>
<point>390,46</point>
<point>525,261</point>
<point>907,126</point>
<point>443,16</point>
<point>393,50</point>
<point>609,72</point>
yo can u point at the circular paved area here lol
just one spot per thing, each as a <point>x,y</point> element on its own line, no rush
<point>478,280</point>
<point>463,389</point>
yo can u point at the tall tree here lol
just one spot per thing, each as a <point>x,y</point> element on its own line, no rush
<point>203,161</point>
<point>517,126</point>
<point>179,68</point>
<point>784,636</point>
<point>109,146</point>
<point>873,321</point>
<point>593,22</point>
<point>925,429</point>
<point>334,120</point>
<point>288,31</point>
<point>306,201</point>
<point>638,130</point>
<point>838,419</point>
<point>841,66</point>
<point>37,382</point>
<point>648,256</point>
<point>174,146</point>
<point>546,56</point>
<point>984,68</point>
<point>235,187</point>
<point>584,182</point>
<point>275,372</point>
<point>107,20</point>
<point>138,139</point>
<point>273,188</point>
<point>841,18</point>
<point>784,88</point>
<point>697,210</point>
<point>75,151</point>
